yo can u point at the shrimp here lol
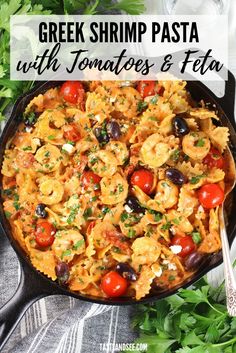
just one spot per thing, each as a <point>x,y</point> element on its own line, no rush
<point>167,193</point>
<point>196,145</point>
<point>103,163</point>
<point>126,101</point>
<point>68,243</point>
<point>49,157</point>
<point>156,150</point>
<point>114,189</point>
<point>44,129</point>
<point>119,150</point>
<point>51,192</point>
<point>146,251</point>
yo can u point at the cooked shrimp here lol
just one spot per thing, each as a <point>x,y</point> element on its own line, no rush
<point>103,163</point>
<point>68,243</point>
<point>51,191</point>
<point>146,251</point>
<point>154,151</point>
<point>119,150</point>
<point>167,193</point>
<point>114,189</point>
<point>196,145</point>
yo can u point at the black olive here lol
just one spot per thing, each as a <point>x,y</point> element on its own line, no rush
<point>40,210</point>
<point>113,129</point>
<point>175,176</point>
<point>62,272</point>
<point>180,126</point>
<point>101,135</point>
<point>126,271</point>
<point>134,205</point>
<point>195,260</point>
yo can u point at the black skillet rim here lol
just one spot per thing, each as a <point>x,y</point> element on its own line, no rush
<point>49,285</point>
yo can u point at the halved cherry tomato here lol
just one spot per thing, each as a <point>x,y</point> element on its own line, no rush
<point>214,159</point>
<point>210,195</point>
<point>114,285</point>
<point>144,179</point>
<point>148,88</point>
<point>89,178</point>
<point>72,133</point>
<point>72,92</point>
<point>187,244</point>
<point>44,234</point>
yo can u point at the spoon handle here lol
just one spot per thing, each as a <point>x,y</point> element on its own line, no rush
<point>230,283</point>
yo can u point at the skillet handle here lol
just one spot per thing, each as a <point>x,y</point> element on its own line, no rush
<point>228,101</point>
<point>29,290</point>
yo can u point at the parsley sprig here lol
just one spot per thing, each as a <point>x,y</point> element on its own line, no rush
<point>11,90</point>
<point>192,321</point>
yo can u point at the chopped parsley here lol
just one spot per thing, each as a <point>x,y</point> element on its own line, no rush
<point>87,213</point>
<point>8,214</point>
<point>200,143</point>
<point>196,237</point>
<point>175,155</point>
<point>51,137</point>
<point>27,148</point>
<point>66,253</point>
<point>141,106</point>
<point>131,233</point>
<point>154,99</point>
<point>78,244</point>
<point>166,226</point>
<point>124,216</point>
<point>73,213</point>
<point>196,179</point>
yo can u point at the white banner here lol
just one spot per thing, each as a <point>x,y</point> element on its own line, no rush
<point>119,47</point>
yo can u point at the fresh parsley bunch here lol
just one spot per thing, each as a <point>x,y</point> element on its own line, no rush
<point>192,321</point>
<point>11,90</point>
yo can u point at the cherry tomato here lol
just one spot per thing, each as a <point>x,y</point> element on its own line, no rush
<point>210,195</point>
<point>89,178</point>
<point>144,179</point>
<point>187,244</point>
<point>114,285</point>
<point>72,92</point>
<point>44,234</point>
<point>148,88</point>
<point>72,133</point>
<point>214,159</point>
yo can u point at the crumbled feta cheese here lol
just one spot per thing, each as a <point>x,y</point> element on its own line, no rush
<point>173,231</point>
<point>68,148</point>
<point>158,272</point>
<point>28,129</point>
<point>200,209</point>
<point>176,249</point>
<point>98,117</point>
<point>37,141</point>
<point>112,99</point>
<point>165,262</point>
<point>172,266</point>
<point>128,209</point>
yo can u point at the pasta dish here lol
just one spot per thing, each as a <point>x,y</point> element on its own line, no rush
<point>112,188</point>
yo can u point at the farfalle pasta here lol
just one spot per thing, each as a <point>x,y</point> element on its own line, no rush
<point>111,188</point>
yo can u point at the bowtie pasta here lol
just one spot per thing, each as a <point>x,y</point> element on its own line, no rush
<point>113,190</point>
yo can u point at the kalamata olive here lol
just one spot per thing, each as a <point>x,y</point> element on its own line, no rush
<point>180,126</point>
<point>62,272</point>
<point>126,271</point>
<point>40,210</point>
<point>101,135</point>
<point>113,129</point>
<point>175,176</point>
<point>134,205</point>
<point>195,260</point>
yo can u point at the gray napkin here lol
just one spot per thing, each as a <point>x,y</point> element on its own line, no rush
<point>60,324</point>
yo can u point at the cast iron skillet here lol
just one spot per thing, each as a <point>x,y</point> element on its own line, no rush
<point>34,285</point>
